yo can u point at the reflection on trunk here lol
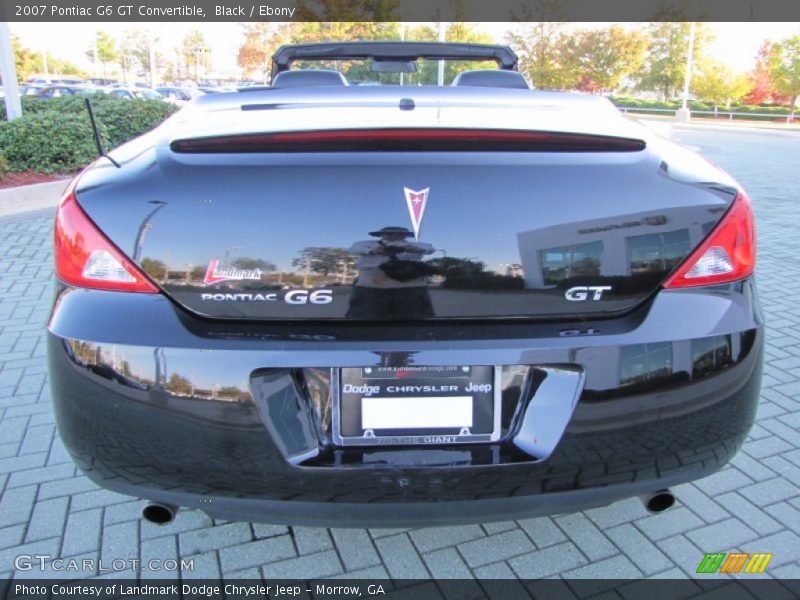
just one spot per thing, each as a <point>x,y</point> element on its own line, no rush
<point>148,371</point>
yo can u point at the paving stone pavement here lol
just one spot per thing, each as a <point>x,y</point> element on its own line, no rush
<point>753,504</point>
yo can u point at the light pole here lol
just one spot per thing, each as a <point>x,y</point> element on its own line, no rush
<point>94,53</point>
<point>196,61</point>
<point>228,251</point>
<point>684,114</point>
<point>151,51</point>
<point>8,71</point>
<point>124,66</point>
<point>442,38</point>
<point>144,228</point>
<point>402,39</point>
<point>199,51</point>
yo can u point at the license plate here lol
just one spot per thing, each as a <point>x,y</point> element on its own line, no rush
<point>416,405</point>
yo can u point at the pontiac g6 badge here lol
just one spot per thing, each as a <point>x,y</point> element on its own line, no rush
<point>217,274</point>
<point>416,207</point>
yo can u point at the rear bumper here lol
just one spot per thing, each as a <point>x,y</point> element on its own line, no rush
<point>426,513</point>
<point>156,404</point>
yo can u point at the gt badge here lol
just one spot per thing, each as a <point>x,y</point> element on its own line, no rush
<point>217,274</point>
<point>416,207</point>
<point>582,292</point>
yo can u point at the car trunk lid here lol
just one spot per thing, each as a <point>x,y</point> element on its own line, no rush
<point>556,225</point>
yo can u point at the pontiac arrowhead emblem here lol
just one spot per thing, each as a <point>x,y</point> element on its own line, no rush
<point>416,207</point>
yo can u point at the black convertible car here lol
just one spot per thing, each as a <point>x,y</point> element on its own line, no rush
<point>355,298</point>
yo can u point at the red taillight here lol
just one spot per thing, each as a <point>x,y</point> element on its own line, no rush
<point>86,258</point>
<point>727,254</point>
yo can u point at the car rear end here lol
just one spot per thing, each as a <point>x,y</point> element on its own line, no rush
<point>565,316</point>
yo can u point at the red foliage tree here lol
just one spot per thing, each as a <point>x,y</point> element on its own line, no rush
<point>586,84</point>
<point>761,78</point>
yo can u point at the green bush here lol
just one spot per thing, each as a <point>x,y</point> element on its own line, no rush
<point>767,110</point>
<point>125,119</point>
<point>30,106</point>
<point>634,103</point>
<point>625,102</point>
<point>54,135</point>
<point>48,142</point>
<point>3,166</point>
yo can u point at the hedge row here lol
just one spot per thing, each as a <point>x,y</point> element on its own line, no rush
<point>54,135</point>
<point>625,102</point>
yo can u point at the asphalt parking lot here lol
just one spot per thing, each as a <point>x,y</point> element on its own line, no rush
<point>753,505</point>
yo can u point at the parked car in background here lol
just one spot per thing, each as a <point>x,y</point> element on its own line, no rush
<point>55,80</point>
<point>58,91</point>
<point>101,82</point>
<point>388,306</point>
<point>29,89</point>
<point>134,92</point>
<point>179,95</point>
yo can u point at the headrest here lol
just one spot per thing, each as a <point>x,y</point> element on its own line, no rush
<point>308,78</point>
<point>491,78</point>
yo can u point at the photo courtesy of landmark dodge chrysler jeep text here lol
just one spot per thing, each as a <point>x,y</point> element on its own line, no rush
<point>356,298</point>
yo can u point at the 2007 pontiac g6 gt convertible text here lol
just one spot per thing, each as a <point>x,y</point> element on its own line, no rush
<point>363,301</point>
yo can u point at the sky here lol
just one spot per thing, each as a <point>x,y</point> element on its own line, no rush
<point>736,44</point>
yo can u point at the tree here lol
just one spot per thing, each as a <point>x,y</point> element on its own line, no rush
<point>786,70</point>
<point>262,39</point>
<point>468,33</point>
<point>125,368</point>
<point>600,59</point>
<point>324,260</point>
<point>251,264</point>
<point>230,392</point>
<point>198,273</point>
<point>126,61</point>
<point>27,61</point>
<point>761,87</point>
<point>195,53</point>
<point>104,50</point>
<point>134,50</point>
<point>716,83</point>
<point>64,67</point>
<point>354,71</point>
<point>455,32</point>
<point>178,384</point>
<point>665,60</point>
<point>85,351</point>
<point>260,42</point>
<point>155,268</point>
<point>542,57</point>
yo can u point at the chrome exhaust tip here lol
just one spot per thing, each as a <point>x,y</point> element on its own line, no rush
<point>158,513</point>
<point>658,501</point>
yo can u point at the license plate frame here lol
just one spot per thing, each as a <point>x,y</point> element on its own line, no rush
<point>485,430</point>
